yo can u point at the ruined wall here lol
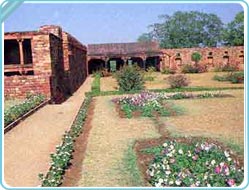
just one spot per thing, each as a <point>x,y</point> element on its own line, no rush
<point>75,59</point>
<point>211,57</point>
<point>17,86</point>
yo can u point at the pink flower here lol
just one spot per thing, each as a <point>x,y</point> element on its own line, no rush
<point>217,169</point>
<point>231,182</point>
<point>195,157</point>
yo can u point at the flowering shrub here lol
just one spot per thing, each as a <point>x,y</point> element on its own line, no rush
<point>150,102</point>
<point>61,158</point>
<point>19,110</point>
<point>194,165</point>
<point>178,81</point>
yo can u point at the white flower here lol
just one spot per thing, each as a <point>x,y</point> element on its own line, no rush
<point>213,162</point>
<point>208,185</point>
<point>171,182</point>
<point>160,180</point>
<point>205,177</point>
<point>229,159</point>
<point>226,153</point>
<point>222,164</point>
<point>197,183</point>
<point>178,182</point>
<point>171,147</point>
<point>168,172</point>
<point>165,145</point>
<point>180,151</point>
<point>189,154</point>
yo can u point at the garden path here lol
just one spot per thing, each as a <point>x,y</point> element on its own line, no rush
<point>27,146</point>
<point>108,143</point>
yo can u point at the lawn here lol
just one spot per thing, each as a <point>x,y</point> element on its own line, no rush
<point>110,159</point>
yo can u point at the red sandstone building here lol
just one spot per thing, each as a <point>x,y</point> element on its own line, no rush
<point>52,62</point>
<point>48,61</point>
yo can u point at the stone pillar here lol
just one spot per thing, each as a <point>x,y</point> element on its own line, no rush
<point>21,55</point>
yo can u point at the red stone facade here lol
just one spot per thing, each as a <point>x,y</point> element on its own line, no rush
<point>149,54</point>
<point>35,63</point>
<point>210,57</point>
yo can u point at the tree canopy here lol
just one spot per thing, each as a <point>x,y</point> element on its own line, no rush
<point>187,29</point>
<point>233,34</point>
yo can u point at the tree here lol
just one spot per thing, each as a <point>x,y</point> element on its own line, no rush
<point>145,37</point>
<point>187,29</point>
<point>233,34</point>
<point>196,57</point>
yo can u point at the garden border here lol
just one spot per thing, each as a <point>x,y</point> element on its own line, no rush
<point>24,116</point>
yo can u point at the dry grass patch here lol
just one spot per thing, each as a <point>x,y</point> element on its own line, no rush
<point>221,118</point>
<point>200,79</point>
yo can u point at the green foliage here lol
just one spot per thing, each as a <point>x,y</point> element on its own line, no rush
<point>60,160</point>
<point>189,68</point>
<point>168,70</point>
<point>233,77</point>
<point>145,37</point>
<point>196,57</point>
<point>130,78</point>
<point>197,164</point>
<point>13,113</point>
<point>225,68</point>
<point>233,34</point>
<point>178,81</point>
<point>131,168</point>
<point>96,83</point>
<point>187,29</point>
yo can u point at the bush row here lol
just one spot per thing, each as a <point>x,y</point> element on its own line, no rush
<point>13,113</point>
<point>60,160</point>
<point>233,77</point>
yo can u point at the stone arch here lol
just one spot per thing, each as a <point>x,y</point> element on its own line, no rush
<point>138,61</point>
<point>95,65</point>
<point>115,64</point>
<point>153,61</point>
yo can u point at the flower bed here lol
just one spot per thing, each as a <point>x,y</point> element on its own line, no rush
<point>195,164</point>
<point>148,104</point>
<point>60,160</point>
<point>13,113</point>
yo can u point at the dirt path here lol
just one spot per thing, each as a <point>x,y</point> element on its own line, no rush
<point>27,147</point>
<point>108,141</point>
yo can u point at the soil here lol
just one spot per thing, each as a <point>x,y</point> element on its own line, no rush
<point>73,173</point>
<point>27,146</point>
<point>108,141</point>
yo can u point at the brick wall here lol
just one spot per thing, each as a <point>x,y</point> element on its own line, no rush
<point>210,56</point>
<point>75,59</point>
<point>20,86</point>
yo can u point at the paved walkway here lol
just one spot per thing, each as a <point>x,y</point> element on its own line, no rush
<point>27,146</point>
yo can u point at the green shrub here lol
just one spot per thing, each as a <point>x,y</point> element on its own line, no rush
<point>168,70</point>
<point>130,78</point>
<point>237,77</point>
<point>178,81</point>
<point>219,78</point>
<point>188,68</point>
<point>233,77</point>
<point>226,68</point>
<point>196,57</point>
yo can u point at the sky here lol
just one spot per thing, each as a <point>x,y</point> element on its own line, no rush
<point>106,22</point>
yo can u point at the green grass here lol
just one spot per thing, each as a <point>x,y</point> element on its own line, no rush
<point>130,168</point>
<point>96,84</point>
<point>167,90</point>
